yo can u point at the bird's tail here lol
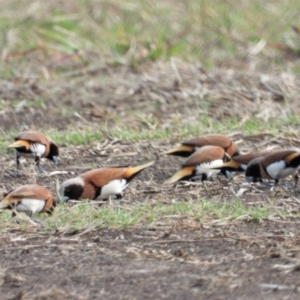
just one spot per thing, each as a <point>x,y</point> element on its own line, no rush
<point>131,172</point>
<point>179,149</point>
<point>185,172</point>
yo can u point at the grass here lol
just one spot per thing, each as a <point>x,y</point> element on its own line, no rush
<point>152,74</point>
<point>85,215</point>
<point>53,39</point>
<point>44,42</point>
<point>206,125</point>
<point>141,31</point>
<point>76,137</point>
<point>89,136</point>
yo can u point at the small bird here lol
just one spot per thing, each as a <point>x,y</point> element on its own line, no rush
<point>200,163</point>
<point>34,144</point>
<point>99,183</point>
<point>274,166</point>
<point>188,147</point>
<point>30,199</point>
<point>239,163</point>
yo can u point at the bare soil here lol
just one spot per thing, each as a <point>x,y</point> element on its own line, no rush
<point>174,258</point>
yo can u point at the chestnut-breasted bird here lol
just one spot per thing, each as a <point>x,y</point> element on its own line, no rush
<point>200,163</point>
<point>35,144</point>
<point>30,199</point>
<point>188,147</point>
<point>239,163</point>
<point>99,183</point>
<point>275,166</point>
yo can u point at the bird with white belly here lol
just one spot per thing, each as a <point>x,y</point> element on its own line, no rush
<point>99,183</point>
<point>34,144</point>
<point>275,166</point>
<point>29,199</point>
<point>200,165</point>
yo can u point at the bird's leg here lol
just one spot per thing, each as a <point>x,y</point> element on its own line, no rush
<point>275,184</point>
<point>32,219</point>
<point>268,184</point>
<point>17,173</point>
<point>37,162</point>
<point>13,214</point>
<point>296,177</point>
<point>289,186</point>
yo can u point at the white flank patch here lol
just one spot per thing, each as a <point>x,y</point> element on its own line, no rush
<point>112,188</point>
<point>205,168</point>
<point>276,168</point>
<point>37,149</point>
<point>28,205</point>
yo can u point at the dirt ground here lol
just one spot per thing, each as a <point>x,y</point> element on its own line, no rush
<point>177,258</point>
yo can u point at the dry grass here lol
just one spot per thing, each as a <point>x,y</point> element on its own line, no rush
<point>146,201</point>
<point>129,68</point>
<point>116,83</point>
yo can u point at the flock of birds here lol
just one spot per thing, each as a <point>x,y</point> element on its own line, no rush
<point>206,155</point>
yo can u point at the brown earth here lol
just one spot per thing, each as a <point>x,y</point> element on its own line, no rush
<point>173,258</point>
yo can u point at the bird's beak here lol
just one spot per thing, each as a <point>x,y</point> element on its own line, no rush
<point>56,159</point>
<point>61,198</point>
<point>249,178</point>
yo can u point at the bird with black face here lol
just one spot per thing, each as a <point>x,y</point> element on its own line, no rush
<point>99,183</point>
<point>36,145</point>
<point>189,147</point>
<point>201,164</point>
<point>238,164</point>
<point>275,166</point>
